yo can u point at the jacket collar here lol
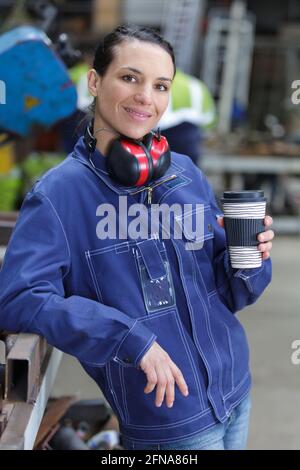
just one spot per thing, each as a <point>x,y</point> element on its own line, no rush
<point>96,162</point>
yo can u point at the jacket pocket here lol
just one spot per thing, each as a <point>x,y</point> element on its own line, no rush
<point>155,275</point>
<point>139,408</point>
<point>114,276</point>
<point>195,226</point>
<point>132,276</point>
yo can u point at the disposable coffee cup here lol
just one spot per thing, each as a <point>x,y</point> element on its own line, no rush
<point>244,213</point>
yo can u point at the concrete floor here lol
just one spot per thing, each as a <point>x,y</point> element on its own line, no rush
<point>272,324</point>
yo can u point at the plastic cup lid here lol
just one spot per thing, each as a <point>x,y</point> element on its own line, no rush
<point>246,196</point>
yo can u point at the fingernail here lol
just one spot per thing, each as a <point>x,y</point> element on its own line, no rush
<point>186,393</point>
<point>170,404</point>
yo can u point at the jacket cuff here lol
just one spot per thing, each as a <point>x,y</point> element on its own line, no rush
<point>249,273</point>
<point>134,345</point>
<point>244,273</point>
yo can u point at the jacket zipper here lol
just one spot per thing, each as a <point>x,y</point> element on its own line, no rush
<point>150,188</point>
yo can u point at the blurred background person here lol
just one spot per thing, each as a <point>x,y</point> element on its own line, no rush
<point>190,113</point>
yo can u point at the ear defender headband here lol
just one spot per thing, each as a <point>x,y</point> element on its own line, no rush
<point>134,162</point>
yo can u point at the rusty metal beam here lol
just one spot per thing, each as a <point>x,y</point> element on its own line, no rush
<point>13,435</point>
<point>24,420</point>
<point>10,339</point>
<point>4,416</point>
<point>3,422</point>
<point>2,352</point>
<point>23,365</point>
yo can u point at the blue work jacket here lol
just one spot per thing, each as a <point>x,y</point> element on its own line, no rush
<point>105,301</point>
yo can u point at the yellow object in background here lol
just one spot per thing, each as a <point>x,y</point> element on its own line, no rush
<point>7,158</point>
<point>10,180</point>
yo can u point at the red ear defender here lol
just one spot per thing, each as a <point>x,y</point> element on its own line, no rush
<point>136,163</point>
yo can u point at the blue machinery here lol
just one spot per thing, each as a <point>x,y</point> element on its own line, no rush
<point>35,87</point>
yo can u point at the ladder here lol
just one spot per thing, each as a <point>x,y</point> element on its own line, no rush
<point>181,27</point>
<point>227,59</point>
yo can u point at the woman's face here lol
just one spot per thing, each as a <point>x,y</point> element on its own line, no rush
<point>134,92</point>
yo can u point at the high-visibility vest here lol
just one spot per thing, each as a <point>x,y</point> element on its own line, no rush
<point>190,101</point>
<point>78,74</point>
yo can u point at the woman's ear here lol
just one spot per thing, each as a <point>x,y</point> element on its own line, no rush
<point>94,81</point>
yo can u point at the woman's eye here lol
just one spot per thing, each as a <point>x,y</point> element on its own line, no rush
<point>162,87</point>
<point>128,78</point>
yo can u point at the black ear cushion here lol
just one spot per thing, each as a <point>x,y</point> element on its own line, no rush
<point>147,141</point>
<point>121,165</point>
<point>162,164</point>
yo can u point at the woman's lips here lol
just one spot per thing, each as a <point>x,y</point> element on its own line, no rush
<point>137,115</point>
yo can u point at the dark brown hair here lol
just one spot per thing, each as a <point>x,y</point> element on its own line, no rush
<point>104,54</point>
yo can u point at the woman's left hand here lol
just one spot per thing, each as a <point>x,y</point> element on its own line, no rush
<point>264,237</point>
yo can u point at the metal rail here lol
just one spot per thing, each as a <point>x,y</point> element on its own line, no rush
<point>251,164</point>
<point>25,418</point>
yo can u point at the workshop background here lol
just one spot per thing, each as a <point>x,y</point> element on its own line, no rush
<point>248,56</point>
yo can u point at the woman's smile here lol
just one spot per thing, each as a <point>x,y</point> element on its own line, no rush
<point>137,114</point>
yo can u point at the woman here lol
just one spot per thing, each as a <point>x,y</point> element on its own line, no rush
<point>150,319</point>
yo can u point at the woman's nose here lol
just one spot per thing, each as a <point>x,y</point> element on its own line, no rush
<point>143,97</point>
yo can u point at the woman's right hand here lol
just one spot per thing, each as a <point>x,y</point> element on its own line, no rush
<point>162,373</point>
